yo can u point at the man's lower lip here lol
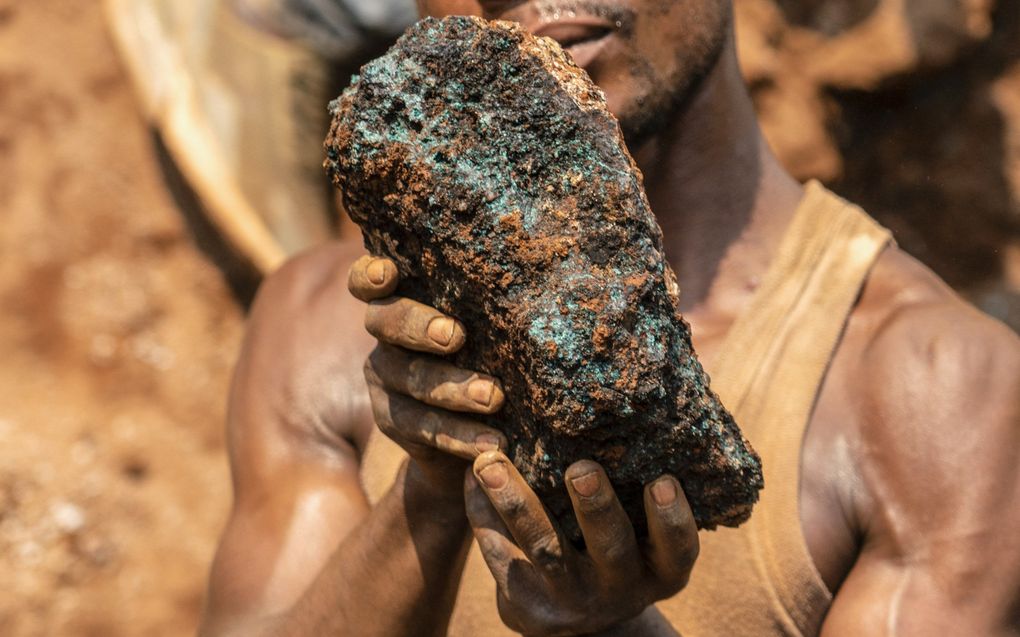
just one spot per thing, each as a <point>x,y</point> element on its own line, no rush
<point>585,53</point>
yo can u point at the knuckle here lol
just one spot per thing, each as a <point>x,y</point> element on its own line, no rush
<point>371,366</point>
<point>356,273</point>
<point>386,320</point>
<point>400,415</point>
<point>674,574</point>
<point>418,377</point>
<point>532,617</point>
<point>387,427</point>
<point>511,617</point>
<point>618,549</point>
<point>512,507</point>
<point>374,319</point>
<point>429,425</point>
<point>673,583</point>
<point>414,319</point>
<point>493,549</point>
<point>368,370</point>
<point>546,552</point>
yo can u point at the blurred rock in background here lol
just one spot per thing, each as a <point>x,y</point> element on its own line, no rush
<point>910,108</point>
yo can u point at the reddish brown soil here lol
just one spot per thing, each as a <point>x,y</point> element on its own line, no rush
<point>116,339</point>
<point>910,108</point>
<point>116,334</point>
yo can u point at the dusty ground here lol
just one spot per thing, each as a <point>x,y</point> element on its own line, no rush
<point>116,338</point>
<point>117,335</point>
<point>910,108</point>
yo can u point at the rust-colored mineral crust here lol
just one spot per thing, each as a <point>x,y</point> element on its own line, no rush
<point>486,165</point>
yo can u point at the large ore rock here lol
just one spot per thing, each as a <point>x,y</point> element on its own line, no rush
<point>486,165</point>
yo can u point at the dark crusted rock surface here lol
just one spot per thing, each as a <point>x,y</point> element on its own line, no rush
<point>484,162</point>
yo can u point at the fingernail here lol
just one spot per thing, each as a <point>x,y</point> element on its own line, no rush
<point>376,271</point>
<point>587,485</point>
<point>494,476</point>
<point>481,391</point>
<point>440,330</point>
<point>664,492</point>
<point>486,442</point>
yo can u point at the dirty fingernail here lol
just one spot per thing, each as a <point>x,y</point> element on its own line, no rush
<point>664,492</point>
<point>486,442</point>
<point>376,271</point>
<point>587,485</point>
<point>481,392</point>
<point>494,476</point>
<point>440,330</point>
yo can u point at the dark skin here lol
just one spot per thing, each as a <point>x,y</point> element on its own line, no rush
<point>910,489</point>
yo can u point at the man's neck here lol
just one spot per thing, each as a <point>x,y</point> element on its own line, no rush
<point>719,195</point>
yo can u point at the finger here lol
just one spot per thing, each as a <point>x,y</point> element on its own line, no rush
<point>372,278</point>
<point>672,532</point>
<point>608,533</point>
<point>495,542</point>
<point>436,382</point>
<point>522,512</point>
<point>409,422</point>
<point>413,325</point>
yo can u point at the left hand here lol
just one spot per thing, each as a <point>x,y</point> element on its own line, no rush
<point>546,587</point>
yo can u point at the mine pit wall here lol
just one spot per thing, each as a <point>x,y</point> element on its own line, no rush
<point>910,108</point>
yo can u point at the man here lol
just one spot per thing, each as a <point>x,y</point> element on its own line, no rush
<point>886,410</point>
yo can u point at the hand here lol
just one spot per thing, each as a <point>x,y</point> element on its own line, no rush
<point>545,585</point>
<point>418,400</point>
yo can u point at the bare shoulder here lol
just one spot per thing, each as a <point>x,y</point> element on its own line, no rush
<point>938,387</point>
<point>916,331</point>
<point>308,330</point>
<point>310,275</point>
<point>929,421</point>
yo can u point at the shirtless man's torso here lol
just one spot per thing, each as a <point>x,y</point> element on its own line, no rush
<point>909,489</point>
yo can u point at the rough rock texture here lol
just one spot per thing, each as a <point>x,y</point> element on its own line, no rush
<point>484,162</point>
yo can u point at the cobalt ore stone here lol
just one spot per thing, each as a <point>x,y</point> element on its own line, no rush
<point>486,165</point>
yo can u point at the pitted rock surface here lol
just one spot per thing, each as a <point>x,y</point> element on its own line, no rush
<point>487,166</point>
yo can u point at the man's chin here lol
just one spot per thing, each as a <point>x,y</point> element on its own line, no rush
<point>647,116</point>
<point>651,111</point>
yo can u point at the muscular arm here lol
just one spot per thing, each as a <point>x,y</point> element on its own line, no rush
<point>302,553</point>
<point>940,461</point>
<point>313,561</point>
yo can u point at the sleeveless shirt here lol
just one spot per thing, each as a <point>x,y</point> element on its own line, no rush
<point>759,579</point>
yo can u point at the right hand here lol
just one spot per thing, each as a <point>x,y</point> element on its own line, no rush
<point>420,401</point>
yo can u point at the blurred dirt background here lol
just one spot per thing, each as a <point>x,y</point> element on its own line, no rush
<point>117,334</point>
<point>116,341</point>
<point>910,108</point>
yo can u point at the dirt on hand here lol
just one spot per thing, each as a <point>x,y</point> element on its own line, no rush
<point>487,165</point>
